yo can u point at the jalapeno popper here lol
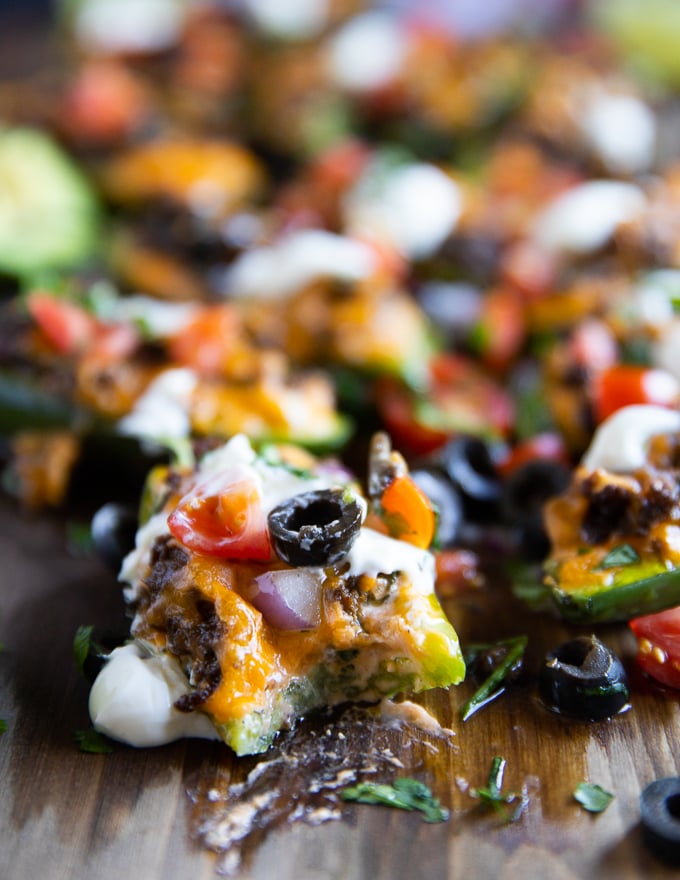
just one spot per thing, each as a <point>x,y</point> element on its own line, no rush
<point>615,531</point>
<point>263,589</point>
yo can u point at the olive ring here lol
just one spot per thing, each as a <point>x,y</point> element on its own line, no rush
<point>660,818</point>
<point>584,679</point>
<point>315,528</point>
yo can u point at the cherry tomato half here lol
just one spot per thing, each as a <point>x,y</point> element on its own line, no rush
<point>223,516</point>
<point>626,384</point>
<point>658,638</point>
<point>461,399</point>
<point>67,326</point>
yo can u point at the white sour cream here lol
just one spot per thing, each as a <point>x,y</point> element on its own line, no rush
<point>132,700</point>
<point>620,443</point>
<point>666,350</point>
<point>281,269</point>
<point>621,130</point>
<point>584,218</point>
<point>373,553</point>
<point>162,411</point>
<point>368,52</point>
<point>288,19</point>
<point>412,207</point>
<point>129,25</point>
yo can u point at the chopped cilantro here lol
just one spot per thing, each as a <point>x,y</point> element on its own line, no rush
<point>3,726</point>
<point>404,794</point>
<point>84,646</point>
<point>92,741</point>
<point>622,554</point>
<point>491,794</point>
<point>592,797</point>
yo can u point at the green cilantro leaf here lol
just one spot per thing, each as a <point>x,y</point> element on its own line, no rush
<point>622,554</point>
<point>491,795</point>
<point>84,646</point>
<point>92,741</point>
<point>3,726</point>
<point>592,797</point>
<point>404,794</point>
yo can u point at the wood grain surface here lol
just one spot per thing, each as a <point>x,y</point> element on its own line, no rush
<point>66,815</point>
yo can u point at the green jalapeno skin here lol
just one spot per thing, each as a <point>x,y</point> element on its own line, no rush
<point>655,590</point>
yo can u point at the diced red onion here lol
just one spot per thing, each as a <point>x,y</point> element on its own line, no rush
<point>288,598</point>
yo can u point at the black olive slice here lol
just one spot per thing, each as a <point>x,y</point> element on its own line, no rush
<point>113,529</point>
<point>468,463</point>
<point>315,528</point>
<point>524,494</point>
<point>584,679</point>
<point>660,818</point>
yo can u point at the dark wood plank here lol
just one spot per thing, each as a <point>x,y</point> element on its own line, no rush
<point>65,814</point>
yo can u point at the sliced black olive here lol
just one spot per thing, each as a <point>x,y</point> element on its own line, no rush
<point>113,530</point>
<point>446,500</point>
<point>584,679</point>
<point>660,818</point>
<point>315,528</point>
<point>468,463</point>
<point>524,494</point>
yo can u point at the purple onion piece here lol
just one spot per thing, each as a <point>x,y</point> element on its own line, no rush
<point>288,598</point>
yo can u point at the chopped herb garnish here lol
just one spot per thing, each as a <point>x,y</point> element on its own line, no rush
<point>404,794</point>
<point>84,646</point>
<point>492,795</point>
<point>92,741</point>
<point>592,797</point>
<point>623,554</point>
<point>492,687</point>
<point>3,726</point>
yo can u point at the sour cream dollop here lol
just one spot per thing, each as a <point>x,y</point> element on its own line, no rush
<point>620,443</point>
<point>133,697</point>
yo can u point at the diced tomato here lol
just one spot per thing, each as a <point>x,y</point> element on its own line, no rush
<point>461,399</point>
<point>66,326</point>
<point>205,342</point>
<point>113,343</point>
<point>546,445</point>
<point>626,384</point>
<point>103,103</point>
<point>658,638</point>
<point>340,165</point>
<point>223,516</point>
<point>501,327</point>
<point>407,512</point>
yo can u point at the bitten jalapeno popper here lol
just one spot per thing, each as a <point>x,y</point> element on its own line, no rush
<point>266,585</point>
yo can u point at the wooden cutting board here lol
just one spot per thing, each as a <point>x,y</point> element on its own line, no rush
<point>66,815</point>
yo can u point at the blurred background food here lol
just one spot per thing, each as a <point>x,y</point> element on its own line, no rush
<point>310,220</point>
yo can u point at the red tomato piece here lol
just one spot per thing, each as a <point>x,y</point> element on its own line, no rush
<point>223,516</point>
<point>658,638</point>
<point>462,399</point>
<point>546,445</point>
<point>204,344</point>
<point>626,384</point>
<point>67,326</point>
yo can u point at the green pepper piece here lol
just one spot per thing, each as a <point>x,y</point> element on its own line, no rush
<point>635,590</point>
